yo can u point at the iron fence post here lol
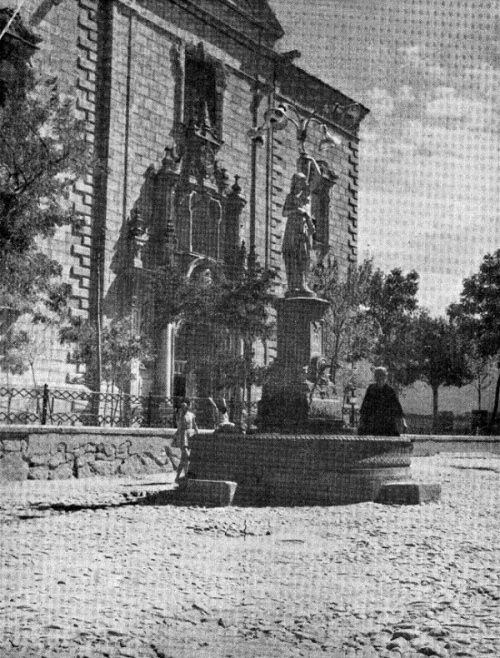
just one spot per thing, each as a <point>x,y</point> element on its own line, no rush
<point>149,415</point>
<point>45,403</point>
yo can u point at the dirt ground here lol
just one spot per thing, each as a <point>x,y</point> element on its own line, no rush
<point>88,570</point>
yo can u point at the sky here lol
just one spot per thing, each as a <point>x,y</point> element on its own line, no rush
<point>429,71</point>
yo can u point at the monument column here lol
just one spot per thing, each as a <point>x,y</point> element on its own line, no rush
<point>300,331</point>
<point>298,395</point>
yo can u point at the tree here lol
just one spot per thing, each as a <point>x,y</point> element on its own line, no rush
<point>42,154</point>
<point>121,348</point>
<point>439,357</point>
<point>481,368</point>
<point>392,306</point>
<point>230,309</point>
<point>243,310</point>
<point>350,334</point>
<point>477,315</point>
<point>370,317</point>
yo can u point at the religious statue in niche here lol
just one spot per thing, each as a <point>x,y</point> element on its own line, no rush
<point>298,236</point>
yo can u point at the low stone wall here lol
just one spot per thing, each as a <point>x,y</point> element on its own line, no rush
<point>425,445</point>
<point>51,453</point>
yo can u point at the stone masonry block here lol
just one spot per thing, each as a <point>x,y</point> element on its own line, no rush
<point>80,250</point>
<point>13,467</point>
<point>408,493</point>
<point>208,493</point>
<point>86,85</point>
<point>86,43</point>
<point>85,64</point>
<point>15,445</point>
<point>79,272</point>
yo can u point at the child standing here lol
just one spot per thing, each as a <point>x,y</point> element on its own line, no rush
<point>186,428</point>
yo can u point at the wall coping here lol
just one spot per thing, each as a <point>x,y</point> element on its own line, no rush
<point>26,430</point>
<point>5,430</point>
<point>454,438</point>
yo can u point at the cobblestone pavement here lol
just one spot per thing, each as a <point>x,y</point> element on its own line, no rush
<point>84,573</point>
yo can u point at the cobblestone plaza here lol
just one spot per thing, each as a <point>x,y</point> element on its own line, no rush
<point>89,572</point>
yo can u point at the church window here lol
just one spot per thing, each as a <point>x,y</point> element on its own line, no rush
<point>203,90</point>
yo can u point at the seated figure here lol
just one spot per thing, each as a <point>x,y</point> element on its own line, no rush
<point>222,416</point>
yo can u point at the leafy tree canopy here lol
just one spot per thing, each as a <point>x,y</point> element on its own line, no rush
<point>239,304</point>
<point>42,154</point>
<point>477,315</point>
<point>392,305</point>
<point>349,334</point>
<point>120,347</point>
<point>478,312</point>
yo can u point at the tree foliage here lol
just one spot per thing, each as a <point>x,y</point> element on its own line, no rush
<point>121,347</point>
<point>392,307</point>
<point>349,334</point>
<point>482,369</point>
<point>244,303</point>
<point>42,154</point>
<point>477,315</point>
<point>439,356</point>
<point>478,312</point>
<point>239,304</point>
<point>232,310</point>
<point>370,317</point>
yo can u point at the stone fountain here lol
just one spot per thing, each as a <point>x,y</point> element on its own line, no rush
<point>299,455</point>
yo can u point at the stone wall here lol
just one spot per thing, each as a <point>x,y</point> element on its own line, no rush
<point>426,445</point>
<point>52,453</point>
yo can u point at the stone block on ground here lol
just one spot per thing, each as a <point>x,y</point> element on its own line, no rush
<point>205,493</point>
<point>408,493</point>
<point>208,493</point>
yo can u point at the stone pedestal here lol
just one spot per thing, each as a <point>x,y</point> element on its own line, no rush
<point>298,395</point>
<point>300,331</point>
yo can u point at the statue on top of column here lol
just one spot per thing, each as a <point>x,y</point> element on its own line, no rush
<point>298,236</point>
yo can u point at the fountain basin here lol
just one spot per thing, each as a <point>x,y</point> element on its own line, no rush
<point>301,469</point>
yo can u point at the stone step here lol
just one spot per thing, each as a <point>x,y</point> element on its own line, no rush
<point>408,493</point>
<point>204,493</point>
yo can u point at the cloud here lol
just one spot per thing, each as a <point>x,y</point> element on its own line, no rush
<point>405,94</point>
<point>451,106</point>
<point>430,74</point>
<point>380,102</point>
<point>444,92</point>
<point>451,110</point>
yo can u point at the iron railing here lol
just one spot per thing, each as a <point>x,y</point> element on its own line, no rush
<point>44,405</point>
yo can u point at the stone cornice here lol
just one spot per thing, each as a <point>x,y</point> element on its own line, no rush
<point>206,17</point>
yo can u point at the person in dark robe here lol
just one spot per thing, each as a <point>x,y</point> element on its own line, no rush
<point>381,413</point>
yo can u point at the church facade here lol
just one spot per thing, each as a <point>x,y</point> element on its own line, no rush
<point>199,124</point>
